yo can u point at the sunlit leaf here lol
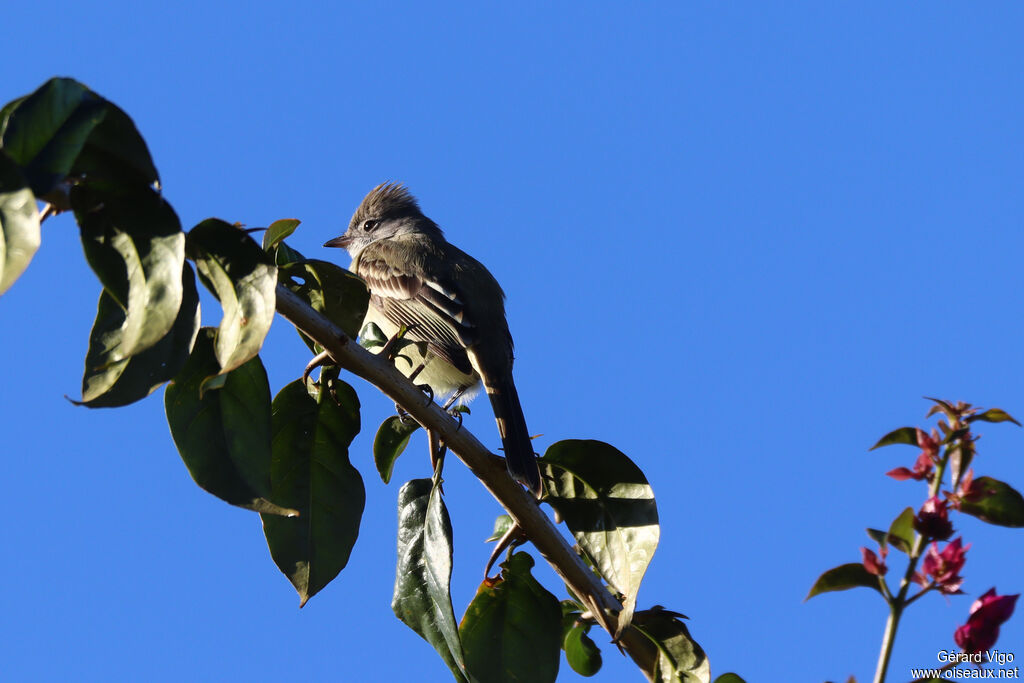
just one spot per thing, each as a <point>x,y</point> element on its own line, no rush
<point>277,231</point>
<point>240,274</point>
<point>844,577</point>
<point>680,658</point>
<point>1003,505</point>
<point>391,439</point>
<point>512,629</point>
<point>993,415</point>
<point>19,223</point>
<point>422,598</point>
<point>608,506</point>
<point>502,523</point>
<point>110,383</point>
<point>901,531</point>
<point>311,472</point>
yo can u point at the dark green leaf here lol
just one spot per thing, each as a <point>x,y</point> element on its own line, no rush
<point>1003,506</point>
<point>241,276</point>
<point>111,383</point>
<point>392,438</point>
<point>608,506</point>
<point>19,223</point>
<point>311,472</point>
<point>844,577</point>
<point>134,243</point>
<point>994,415</point>
<point>47,130</point>
<point>223,433</point>
<point>580,651</point>
<point>729,678</point>
<point>277,231</point>
<point>371,336</point>
<point>115,151</point>
<point>285,254</point>
<point>422,598</point>
<point>341,296</point>
<point>512,629</point>
<point>502,523</point>
<point>680,658</point>
<point>907,435</point>
<point>878,536</point>
<point>901,531</point>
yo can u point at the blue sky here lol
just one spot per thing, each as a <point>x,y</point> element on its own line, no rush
<point>739,241</point>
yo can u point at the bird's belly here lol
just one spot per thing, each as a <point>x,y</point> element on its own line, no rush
<point>441,376</point>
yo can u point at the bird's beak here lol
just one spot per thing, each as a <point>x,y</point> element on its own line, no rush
<point>342,242</point>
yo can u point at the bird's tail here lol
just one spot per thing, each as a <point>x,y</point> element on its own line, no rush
<point>515,438</point>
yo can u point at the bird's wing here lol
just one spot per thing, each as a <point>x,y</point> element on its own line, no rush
<point>409,295</point>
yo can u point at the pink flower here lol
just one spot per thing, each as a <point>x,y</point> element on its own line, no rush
<point>872,564</point>
<point>922,468</point>
<point>987,614</point>
<point>933,519</point>
<point>944,567</point>
<point>928,444</point>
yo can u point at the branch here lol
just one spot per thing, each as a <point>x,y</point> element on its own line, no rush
<point>488,468</point>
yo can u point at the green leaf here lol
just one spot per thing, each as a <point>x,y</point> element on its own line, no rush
<point>391,439</point>
<point>47,130</point>
<point>134,243</point>
<point>110,383</point>
<point>19,223</point>
<point>844,577</point>
<point>223,433</point>
<point>422,596</point>
<point>502,523</point>
<point>277,231</point>
<point>729,678</point>
<point>311,472</point>
<point>341,296</point>
<point>901,531</point>
<point>581,652</point>
<point>608,506</point>
<point>116,152</point>
<point>906,435</point>
<point>512,629</point>
<point>680,658</point>
<point>285,254</point>
<point>240,275</point>
<point>1004,506</point>
<point>993,415</point>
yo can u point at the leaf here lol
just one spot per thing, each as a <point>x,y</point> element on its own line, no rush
<point>609,507</point>
<point>422,596</point>
<point>993,415</point>
<point>512,629</point>
<point>391,439</point>
<point>581,652</point>
<point>502,523</point>
<point>901,531</point>
<point>285,254</point>
<point>110,383</point>
<point>115,151</point>
<point>19,223</point>
<point>240,275</point>
<point>1004,506</point>
<point>907,435</point>
<point>729,678</point>
<point>277,231</point>
<point>311,472</point>
<point>680,658</point>
<point>134,243</point>
<point>45,132</point>
<point>341,296</point>
<point>844,577</point>
<point>223,434</point>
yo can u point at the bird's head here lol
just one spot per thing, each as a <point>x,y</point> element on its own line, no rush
<point>387,211</point>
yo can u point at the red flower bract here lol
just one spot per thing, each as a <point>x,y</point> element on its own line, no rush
<point>987,614</point>
<point>933,519</point>
<point>944,567</point>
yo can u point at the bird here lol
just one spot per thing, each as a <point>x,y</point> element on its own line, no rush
<point>438,294</point>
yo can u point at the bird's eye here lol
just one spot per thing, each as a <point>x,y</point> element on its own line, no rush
<point>369,225</point>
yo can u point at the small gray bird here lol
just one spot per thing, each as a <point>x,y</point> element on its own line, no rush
<point>445,298</point>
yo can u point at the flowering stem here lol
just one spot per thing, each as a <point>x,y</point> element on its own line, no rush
<point>900,601</point>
